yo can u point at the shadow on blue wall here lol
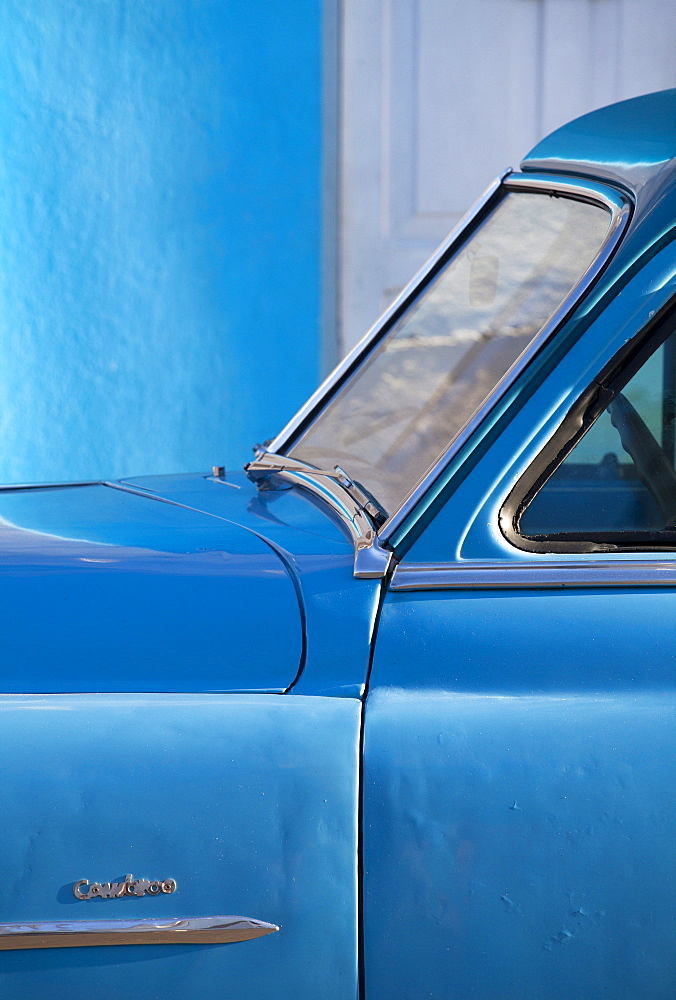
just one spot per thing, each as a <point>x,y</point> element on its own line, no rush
<point>160,188</point>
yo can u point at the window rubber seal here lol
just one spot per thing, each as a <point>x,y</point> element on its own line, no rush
<point>578,421</point>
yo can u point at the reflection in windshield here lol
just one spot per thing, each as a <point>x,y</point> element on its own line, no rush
<point>424,381</point>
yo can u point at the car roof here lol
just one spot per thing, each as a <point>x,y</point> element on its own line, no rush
<point>631,144</point>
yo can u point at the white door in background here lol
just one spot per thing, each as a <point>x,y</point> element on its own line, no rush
<point>438,96</point>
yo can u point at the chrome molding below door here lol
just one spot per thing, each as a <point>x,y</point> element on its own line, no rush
<point>87,933</point>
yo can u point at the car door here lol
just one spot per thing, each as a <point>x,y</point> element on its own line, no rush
<point>520,748</point>
<point>247,803</point>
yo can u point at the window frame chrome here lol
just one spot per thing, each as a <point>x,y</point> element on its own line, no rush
<point>579,420</point>
<point>535,574</point>
<point>617,203</point>
<point>353,358</point>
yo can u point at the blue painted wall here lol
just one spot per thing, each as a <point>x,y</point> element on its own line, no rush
<point>160,227</point>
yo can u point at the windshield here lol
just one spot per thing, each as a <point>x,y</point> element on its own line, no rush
<point>412,395</point>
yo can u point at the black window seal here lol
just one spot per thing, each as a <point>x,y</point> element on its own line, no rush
<point>595,399</point>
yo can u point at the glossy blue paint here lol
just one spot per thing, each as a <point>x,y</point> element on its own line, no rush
<point>466,526</point>
<point>290,516</point>
<point>629,143</point>
<point>639,281</point>
<point>102,590</point>
<point>519,746</point>
<point>249,802</point>
<point>161,187</point>
<point>339,610</point>
<point>524,641</point>
<point>518,847</point>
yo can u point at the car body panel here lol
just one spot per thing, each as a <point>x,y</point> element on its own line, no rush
<point>519,846</point>
<point>248,801</point>
<point>339,611</point>
<point>466,525</point>
<point>289,513</point>
<point>630,144</point>
<point>103,590</point>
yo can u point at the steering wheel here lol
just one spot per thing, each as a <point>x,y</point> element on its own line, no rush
<point>654,468</point>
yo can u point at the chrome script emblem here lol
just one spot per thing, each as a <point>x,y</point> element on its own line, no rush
<point>130,887</point>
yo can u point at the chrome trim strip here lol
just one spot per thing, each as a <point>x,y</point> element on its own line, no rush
<point>223,482</point>
<point>8,487</point>
<point>571,187</point>
<point>536,575</point>
<point>372,562</point>
<point>620,213</point>
<point>379,327</point>
<point>89,933</point>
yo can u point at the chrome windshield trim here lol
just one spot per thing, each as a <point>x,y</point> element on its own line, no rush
<point>372,562</point>
<point>534,575</point>
<point>380,327</point>
<point>620,212</point>
<point>90,933</point>
<point>571,187</point>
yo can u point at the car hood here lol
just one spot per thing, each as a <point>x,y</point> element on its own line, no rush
<point>105,588</point>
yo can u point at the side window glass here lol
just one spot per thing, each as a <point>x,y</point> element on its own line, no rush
<point>618,484</point>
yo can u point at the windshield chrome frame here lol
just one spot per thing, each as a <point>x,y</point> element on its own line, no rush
<point>380,328</point>
<point>619,207</point>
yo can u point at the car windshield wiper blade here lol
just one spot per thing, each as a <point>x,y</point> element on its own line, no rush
<point>267,464</point>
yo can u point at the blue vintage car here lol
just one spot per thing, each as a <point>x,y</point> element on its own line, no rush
<point>391,715</point>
